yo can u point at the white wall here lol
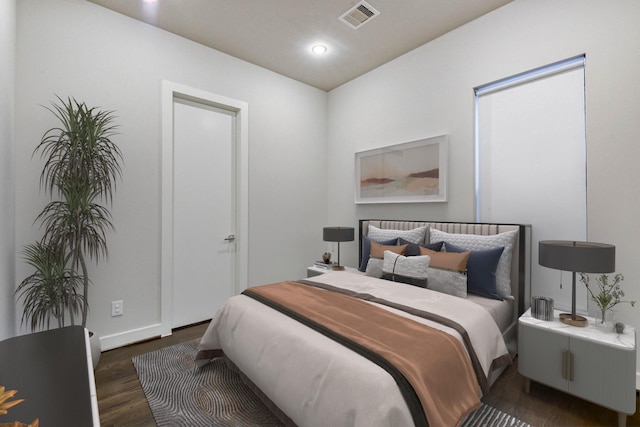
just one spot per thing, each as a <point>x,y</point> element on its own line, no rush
<point>429,91</point>
<point>76,48</point>
<point>72,47</point>
<point>7,67</point>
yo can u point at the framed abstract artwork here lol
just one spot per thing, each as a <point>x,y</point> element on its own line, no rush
<point>411,172</point>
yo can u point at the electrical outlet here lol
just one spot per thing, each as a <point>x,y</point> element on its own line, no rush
<point>117,308</point>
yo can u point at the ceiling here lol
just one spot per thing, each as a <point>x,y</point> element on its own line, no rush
<point>278,34</point>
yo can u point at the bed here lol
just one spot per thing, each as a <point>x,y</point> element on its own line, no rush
<point>411,355</point>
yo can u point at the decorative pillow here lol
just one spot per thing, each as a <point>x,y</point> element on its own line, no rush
<point>481,270</point>
<point>378,249</point>
<point>415,235</point>
<point>474,242</point>
<point>413,249</point>
<point>410,270</point>
<point>366,250</point>
<point>448,282</point>
<point>452,261</point>
<point>374,268</point>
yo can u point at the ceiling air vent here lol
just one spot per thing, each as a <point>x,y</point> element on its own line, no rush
<point>359,15</point>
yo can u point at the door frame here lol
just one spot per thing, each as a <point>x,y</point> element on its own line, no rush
<point>170,91</point>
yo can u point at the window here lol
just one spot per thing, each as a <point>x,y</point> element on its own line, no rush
<point>530,164</point>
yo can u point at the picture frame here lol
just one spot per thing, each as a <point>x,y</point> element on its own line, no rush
<point>411,172</point>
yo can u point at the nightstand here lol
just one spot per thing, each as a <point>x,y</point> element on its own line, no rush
<point>316,271</point>
<point>587,362</point>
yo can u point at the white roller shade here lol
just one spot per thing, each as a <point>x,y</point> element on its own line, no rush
<point>531,162</point>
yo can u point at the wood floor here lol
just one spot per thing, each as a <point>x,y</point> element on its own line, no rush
<point>122,401</point>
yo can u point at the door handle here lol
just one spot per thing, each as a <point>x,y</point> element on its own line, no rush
<point>567,365</point>
<point>230,238</point>
<point>571,366</point>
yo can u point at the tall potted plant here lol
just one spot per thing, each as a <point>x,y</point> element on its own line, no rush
<point>81,166</point>
<point>51,290</point>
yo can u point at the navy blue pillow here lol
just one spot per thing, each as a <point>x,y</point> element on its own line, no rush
<point>413,249</point>
<point>481,270</point>
<point>366,250</point>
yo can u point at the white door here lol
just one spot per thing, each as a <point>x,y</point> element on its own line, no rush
<point>203,209</point>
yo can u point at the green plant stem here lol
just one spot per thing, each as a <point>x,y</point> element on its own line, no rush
<point>85,290</point>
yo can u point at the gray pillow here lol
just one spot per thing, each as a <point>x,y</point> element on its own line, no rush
<point>475,242</point>
<point>448,282</point>
<point>415,235</point>
<point>374,267</point>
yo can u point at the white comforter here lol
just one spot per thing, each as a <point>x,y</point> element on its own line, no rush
<point>318,382</point>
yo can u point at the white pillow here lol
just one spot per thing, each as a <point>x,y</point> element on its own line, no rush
<point>411,270</point>
<point>475,242</point>
<point>447,281</point>
<point>415,235</point>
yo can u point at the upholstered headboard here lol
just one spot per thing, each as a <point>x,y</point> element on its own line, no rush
<point>520,261</point>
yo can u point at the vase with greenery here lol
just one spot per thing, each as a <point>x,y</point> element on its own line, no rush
<point>605,294</point>
<point>81,166</point>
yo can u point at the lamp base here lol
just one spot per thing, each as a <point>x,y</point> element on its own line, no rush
<point>576,320</point>
<point>338,268</point>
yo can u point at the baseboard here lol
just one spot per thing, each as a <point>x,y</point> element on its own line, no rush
<point>637,380</point>
<point>109,342</point>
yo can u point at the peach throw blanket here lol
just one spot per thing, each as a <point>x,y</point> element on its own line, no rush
<point>443,386</point>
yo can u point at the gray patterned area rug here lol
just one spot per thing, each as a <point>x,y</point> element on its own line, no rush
<point>214,395</point>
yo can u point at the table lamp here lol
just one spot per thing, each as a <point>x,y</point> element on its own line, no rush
<point>338,234</point>
<point>583,257</point>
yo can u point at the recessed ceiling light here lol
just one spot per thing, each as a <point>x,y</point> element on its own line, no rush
<point>319,49</point>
